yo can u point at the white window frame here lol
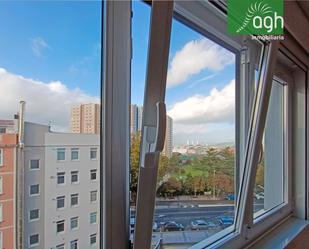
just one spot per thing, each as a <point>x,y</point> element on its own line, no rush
<point>96,239</point>
<point>74,218</point>
<point>33,169</point>
<point>75,195</point>
<point>60,222</point>
<point>1,157</point>
<point>37,194</point>
<point>95,171</point>
<point>35,219</point>
<point>96,218</point>
<point>75,242</point>
<point>62,174</point>
<point>93,149</point>
<point>203,16</point>
<point>96,196</point>
<point>60,197</point>
<point>75,150</point>
<point>75,172</point>
<point>36,244</point>
<point>61,160</point>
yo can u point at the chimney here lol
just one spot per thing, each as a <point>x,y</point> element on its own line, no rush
<point>21,123</point>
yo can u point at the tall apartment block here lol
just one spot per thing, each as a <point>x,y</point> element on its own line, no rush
<point>136,118</point>
<point>168,144</point>
<point>133,119</point>
<point>8,146</point>
<point>61,189</point>
<point>85,118</point>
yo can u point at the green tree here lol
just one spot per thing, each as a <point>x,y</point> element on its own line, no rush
<point>134,162</point>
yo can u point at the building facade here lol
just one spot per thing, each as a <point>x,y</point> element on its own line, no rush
<point>85,118</point>
<point>134,119</point>
<point>61,203</point>
<point>8,145</point>
<point>168,144</point>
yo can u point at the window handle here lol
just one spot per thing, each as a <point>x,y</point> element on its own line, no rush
<point>161,126</point>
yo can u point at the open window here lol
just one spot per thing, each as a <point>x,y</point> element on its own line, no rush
<point>211,135</point>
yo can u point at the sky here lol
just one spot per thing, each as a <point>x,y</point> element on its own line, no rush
<point>50,57</point>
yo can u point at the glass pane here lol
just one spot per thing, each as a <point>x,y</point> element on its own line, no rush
<point>196,181</point>
<point>140,34</point>
<point>270,178</point>
<point>51,60</point>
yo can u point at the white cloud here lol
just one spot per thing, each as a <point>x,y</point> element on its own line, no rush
<point>196,56</point>
<point>217,107</point>
<point>38,44</point>
<point>45,102</point>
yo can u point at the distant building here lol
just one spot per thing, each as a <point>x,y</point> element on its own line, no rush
<point>133,119</point>
<point>139,117</point>
<point>85,118</point>
<point>8,147</point>
<point>168,144</point>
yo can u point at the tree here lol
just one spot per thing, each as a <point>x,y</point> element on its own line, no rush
<point>196,184</point>
<point>170,187</point>
<point>134,161</point>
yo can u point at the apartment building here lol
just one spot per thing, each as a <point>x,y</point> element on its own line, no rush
<point>61,198</point>
<point>134,120</point>
<point>168,144</point>
<point>8,145</point>
<point>85,118</point>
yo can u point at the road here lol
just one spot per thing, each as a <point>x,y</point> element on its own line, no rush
<point>189,212</point>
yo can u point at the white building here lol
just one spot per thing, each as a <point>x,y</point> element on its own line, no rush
<point>61,200</point>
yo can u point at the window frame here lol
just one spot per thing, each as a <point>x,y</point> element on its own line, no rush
<point>36,194</point>
<point>63,151</point>
<point>75,218</point>
<point>58,198</point>
<point>95,213</point>
<point>62,175</point>
<point>96,196</point>
<point>75,173</point>
<point>1,157</point>
<point>193,15</point>
<point>78,156</point>
<point>62,222</point>
<point>96,153</point>
<point>75,245</point>
<point>33,169</point>
<point>74,195</point>
<point>35,219</point>
<point>96,239</point>
<point>94,171</point>
<point>36,244</point>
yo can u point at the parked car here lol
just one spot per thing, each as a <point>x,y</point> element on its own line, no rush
<point>199,225</point>
<point>259,196</point>
<point>155,227</point>
<point>226,221</point>
<point>230,197</point>
<point>132,224</point>
<point>173,226</point>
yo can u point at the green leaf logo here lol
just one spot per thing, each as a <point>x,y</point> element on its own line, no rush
<point>254,10</point>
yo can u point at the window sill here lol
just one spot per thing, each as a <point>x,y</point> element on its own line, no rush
<point>282,235</point>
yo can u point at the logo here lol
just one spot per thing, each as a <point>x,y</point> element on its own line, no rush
<point>255,17</point>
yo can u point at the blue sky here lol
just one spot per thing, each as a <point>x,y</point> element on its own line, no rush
<point>71,31</point>
<point>55,47</point>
